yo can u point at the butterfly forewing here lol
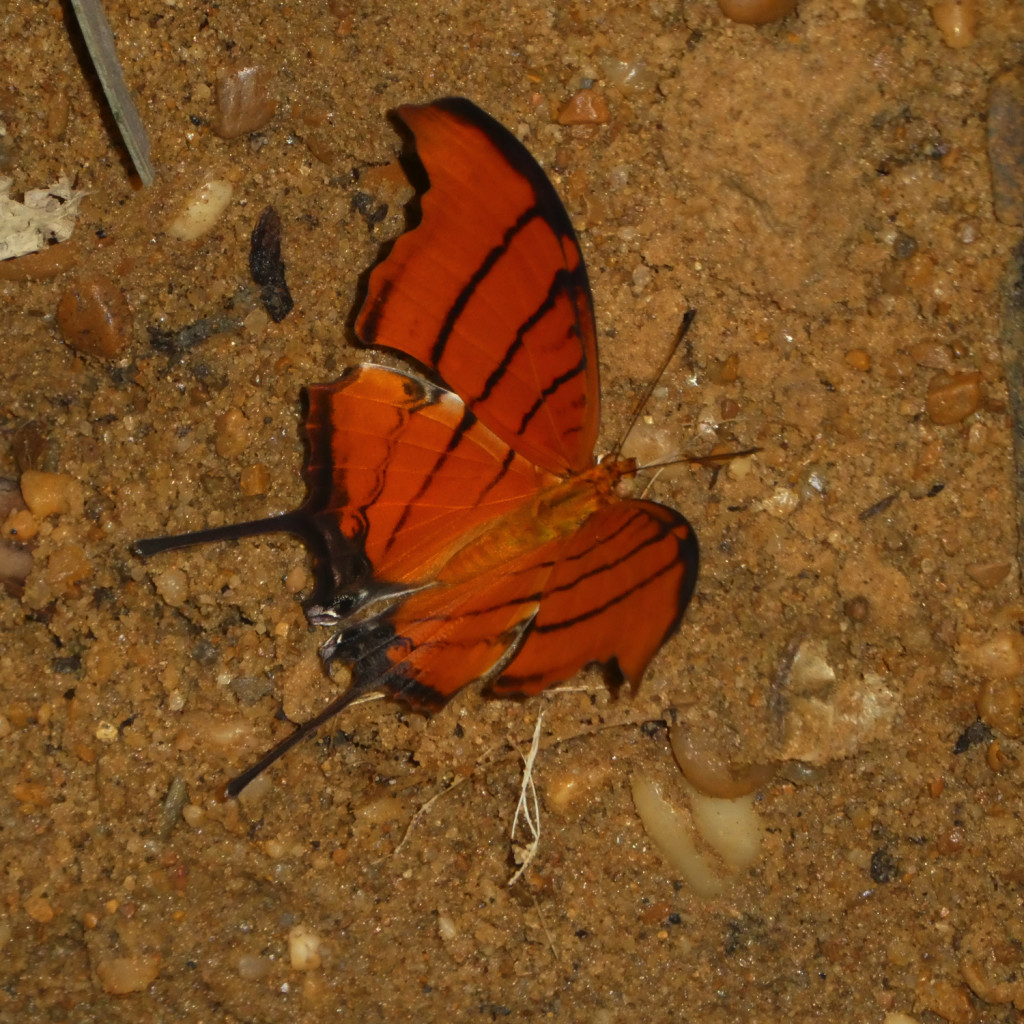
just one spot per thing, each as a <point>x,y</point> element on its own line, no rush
<point>490,289</point>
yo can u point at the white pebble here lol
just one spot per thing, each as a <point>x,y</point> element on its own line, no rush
<point>673,835</point>
<point>811,671</point>
<point>106,732</point>
<point>172,586</point>
<point>201,210</point>
<point>730,827</point>
<point>304,948</point>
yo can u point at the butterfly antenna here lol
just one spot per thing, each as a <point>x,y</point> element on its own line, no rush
<point>688,317</point>
<point>296,523</point>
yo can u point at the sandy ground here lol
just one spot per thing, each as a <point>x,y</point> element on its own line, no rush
<point>820,191</point>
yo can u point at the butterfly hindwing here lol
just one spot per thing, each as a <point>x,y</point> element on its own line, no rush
<point>618,591</point>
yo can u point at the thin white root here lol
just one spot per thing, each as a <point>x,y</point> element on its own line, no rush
<point>422,810</point>
<point>529,808</point>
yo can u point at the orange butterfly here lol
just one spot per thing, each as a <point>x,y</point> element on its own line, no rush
<point>463,532</point>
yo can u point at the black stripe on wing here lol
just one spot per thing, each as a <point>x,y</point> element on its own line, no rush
<point>684,555</point>
<point>518,157</point>
<point>465,425</point>
<point>484,484</point>
<point>476,279</point>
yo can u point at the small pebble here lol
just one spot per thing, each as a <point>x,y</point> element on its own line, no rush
<point>887,12</point>
<point>304,948</point>
<point>957,20</point>
<point>34,793</point>
<point>172,586</point>
<point>232,434</point>
<point>951,842</point>
<point>585,107</point>
<point>989,574</point>
<point>253,968</point>
<point>952,398</point>
<point>193,814</point>
<point>94,317</point>
<point>249,690</point>
<point>859,359</point>
<point>39,909</point>
<point>932,354</point>
<point>202,208</point>
<point>727,371</point>
<point>810,670</point>
<point>244,103</point>
<point>48,494</point>
<point>729,409</point>
<point>628,76</point>
<point>566,788</point>
<point>855,713</point>
<point>781,503</point>
<point>121,975</point>
<point>904,246</point>
<point>978,437</point>
<point>297,580</point>
<point>1002,657</point>
<point>106,732</point>
<point>946,1000</point>
<point>40,265</point>
<point>756,12</point>
<point>256,323</point>
<point>999,706</point>
<point>67,566</point>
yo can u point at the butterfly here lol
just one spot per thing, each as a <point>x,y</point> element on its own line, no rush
<point>459,526</point>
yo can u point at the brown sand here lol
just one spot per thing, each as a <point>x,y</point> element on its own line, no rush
<point>820,192</point>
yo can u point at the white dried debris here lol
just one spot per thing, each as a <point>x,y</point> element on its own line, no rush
<point>828,728</point>
<point>45,215</point>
